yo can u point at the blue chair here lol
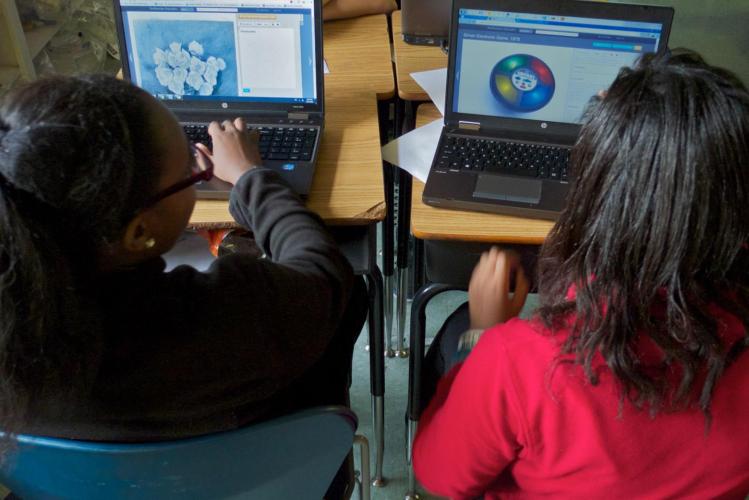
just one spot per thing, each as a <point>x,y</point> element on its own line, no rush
<point>291,457</point>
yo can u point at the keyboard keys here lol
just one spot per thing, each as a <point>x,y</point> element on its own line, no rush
<point>274,143</point>
<point>485,155</point>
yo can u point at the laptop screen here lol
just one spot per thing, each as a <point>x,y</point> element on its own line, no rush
<point>541,67</point>
<point>222,50</point>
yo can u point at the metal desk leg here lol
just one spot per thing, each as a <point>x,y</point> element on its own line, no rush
<point>418,351</point>
<point>406,117</point>
<point>402,291</point>
<point>418,274</point>
<point>389,313</point>
<point>387,226</point>
<point>377,369</point>
<point>411,494</point>
<point>399,115</point>
<point>404,233</point>
<point>388,257</point>
<point>359,244</point>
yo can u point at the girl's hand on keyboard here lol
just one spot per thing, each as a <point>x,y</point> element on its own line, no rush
<point>235,150</point>
<point>489,300</point>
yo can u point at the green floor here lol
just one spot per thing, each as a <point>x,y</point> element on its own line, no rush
<point>396,391</point>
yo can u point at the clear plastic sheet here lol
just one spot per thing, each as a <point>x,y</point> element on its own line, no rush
<point>85,43</point>
<point>35,13</point>
<point>96,19</point>
<point>74,51</point>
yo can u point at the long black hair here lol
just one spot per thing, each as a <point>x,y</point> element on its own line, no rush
<point>75,163</point>
<point>655,230</point>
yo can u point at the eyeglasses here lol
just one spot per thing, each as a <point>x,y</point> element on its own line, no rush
<point>198,175</point>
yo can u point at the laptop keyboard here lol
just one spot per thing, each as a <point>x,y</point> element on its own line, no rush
<point>275,143</point>
<point>502,157</point>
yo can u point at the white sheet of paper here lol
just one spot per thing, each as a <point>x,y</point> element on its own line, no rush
<point>326,70</point>
<point>414,151</point>
<point>434,83</point>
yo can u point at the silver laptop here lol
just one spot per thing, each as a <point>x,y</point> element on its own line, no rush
<point>520,76</point>
<point>219,59</point>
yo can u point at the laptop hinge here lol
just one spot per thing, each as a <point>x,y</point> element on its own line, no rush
<point>298,116</point>
<point>469,125</point>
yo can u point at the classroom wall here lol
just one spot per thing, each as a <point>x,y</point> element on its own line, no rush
<point>717,29</point>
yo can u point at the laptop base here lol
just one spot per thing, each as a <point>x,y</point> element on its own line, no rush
<point>488,207</point>
<point>430,40</point>
<point>297,175</point>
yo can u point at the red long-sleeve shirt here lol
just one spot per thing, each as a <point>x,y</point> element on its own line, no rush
<point>507,425</point>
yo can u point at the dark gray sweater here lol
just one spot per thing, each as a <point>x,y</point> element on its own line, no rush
<point>187,352</point>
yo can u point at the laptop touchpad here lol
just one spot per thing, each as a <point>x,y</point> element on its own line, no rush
<point>498,187</point>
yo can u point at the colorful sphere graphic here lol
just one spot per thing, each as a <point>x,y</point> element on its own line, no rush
<point>522,83</point>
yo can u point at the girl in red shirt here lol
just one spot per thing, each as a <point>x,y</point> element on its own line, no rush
<point>631,379</point>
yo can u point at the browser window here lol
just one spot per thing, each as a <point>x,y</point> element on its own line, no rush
<point>228,50</point>
<point>541,67</point>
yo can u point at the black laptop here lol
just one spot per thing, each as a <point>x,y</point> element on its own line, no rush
<point>425,22</point>
<point>520,76</point>
<point>219,59</point>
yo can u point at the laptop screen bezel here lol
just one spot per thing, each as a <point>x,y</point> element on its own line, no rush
<point>233,105</point>
<point>567,8</point>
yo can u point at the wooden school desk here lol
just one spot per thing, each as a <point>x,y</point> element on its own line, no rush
<point>412,58</point>
<point>347,190</point>
<point>408,59</point>
<point>451,242</point>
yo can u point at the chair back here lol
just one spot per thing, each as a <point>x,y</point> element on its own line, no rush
<point>291,457</point>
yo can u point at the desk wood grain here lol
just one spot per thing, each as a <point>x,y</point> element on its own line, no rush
<point>348,187</point>
<point>412,58</point>
<point>432,223</point>
<point>358,54</point>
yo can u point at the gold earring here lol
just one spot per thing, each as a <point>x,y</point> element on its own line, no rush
<point>150,243</point>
